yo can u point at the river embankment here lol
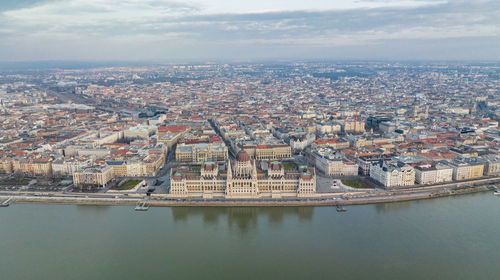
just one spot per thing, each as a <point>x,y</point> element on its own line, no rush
<point>386,197</point>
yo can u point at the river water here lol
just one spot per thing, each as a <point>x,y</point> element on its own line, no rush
<point>445,238</point>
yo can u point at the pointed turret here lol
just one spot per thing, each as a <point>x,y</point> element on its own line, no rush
<point>254,170</point>
<point>229,170</point>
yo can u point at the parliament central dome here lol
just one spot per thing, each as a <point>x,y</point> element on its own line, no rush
<point>242,156</point>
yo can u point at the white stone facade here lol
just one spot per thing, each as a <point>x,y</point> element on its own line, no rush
<point>243,179</point>
<point>392,175</point>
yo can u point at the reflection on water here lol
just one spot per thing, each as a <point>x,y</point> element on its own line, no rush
<point>93,208</point>
<point>445,238</point>
<point>245,219</point>
<point>395,206</point>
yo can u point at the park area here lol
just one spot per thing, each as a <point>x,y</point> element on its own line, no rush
<point>15,182</point>
<point>356,183</point>
<point>288,166</point>
<point>130,184</point>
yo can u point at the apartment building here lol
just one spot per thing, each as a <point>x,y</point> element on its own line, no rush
<point>201,152</point>
<point>433,174</point>
<point>94,176</point>
<point>328,161</point>
<point>392,174</point>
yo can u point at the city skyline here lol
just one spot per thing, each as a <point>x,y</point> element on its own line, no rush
<point>215,30</point>
<point>263,139</point>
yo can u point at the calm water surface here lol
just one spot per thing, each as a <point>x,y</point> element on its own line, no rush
<point>447,238</point>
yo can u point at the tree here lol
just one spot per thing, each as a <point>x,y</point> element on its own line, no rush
<point>19,175</point>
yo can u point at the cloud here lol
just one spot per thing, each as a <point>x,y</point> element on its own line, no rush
<point>17,4</point>
<point>97,29</point>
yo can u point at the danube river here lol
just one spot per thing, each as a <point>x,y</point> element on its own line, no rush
<point>446,238</point>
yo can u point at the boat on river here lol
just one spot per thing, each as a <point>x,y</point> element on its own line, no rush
<point>340,208</point>
<point>141,206</point>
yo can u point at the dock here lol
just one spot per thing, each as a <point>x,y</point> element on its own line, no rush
<point>6,203</point>
<point>142,206</point>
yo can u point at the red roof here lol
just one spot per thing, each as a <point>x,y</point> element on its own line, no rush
<point>449,155</point>
<point>215,139</point>
<point>18,153</point>
<point>322,141</point>
<point>121,152</point>
<point>41,159</point>
<point>172,128</point>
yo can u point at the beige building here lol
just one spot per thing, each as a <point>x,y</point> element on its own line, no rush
<point>6,165</point>
<point>170,134</point>
<point>335,143</point>
<point>243,179</point>
<point>268,152</point>
<point>226,134</point>
<point>328,128</point>
<point>135,168</point>
<point>153,163</point>
<point>492,167</point>
<point>476,170</point>
<point>443,173</point>
<point>95,176</point>
<point>140,132</point>
<point>24,165</point>
<point>332,164</point>
<point>138,167</point>
<point>119,168</point>
<point>66,167</point>
<point>42,166</point>
<point>461,171</point>
<point>467,168</point>
<point>201,152</point>
<point>353,126</point>
<point>36,166</point>
<point>361,141</point>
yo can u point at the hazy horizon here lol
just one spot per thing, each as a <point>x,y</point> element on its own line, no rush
<point>216,30</point>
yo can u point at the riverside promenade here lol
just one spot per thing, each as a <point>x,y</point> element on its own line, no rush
<point>327,199</point>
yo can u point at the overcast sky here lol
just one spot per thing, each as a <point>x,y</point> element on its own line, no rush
<point>249,29</point>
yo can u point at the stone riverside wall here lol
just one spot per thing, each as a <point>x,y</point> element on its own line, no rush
<point>358,201</point>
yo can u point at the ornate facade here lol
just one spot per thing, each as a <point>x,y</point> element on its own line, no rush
<point>94,176</point>
<point>243,178</point>
<point>392,174</point>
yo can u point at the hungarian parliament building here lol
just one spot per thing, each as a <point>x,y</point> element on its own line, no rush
<point>243,178</point>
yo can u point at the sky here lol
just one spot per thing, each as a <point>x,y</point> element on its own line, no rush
<point>239,30</point>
